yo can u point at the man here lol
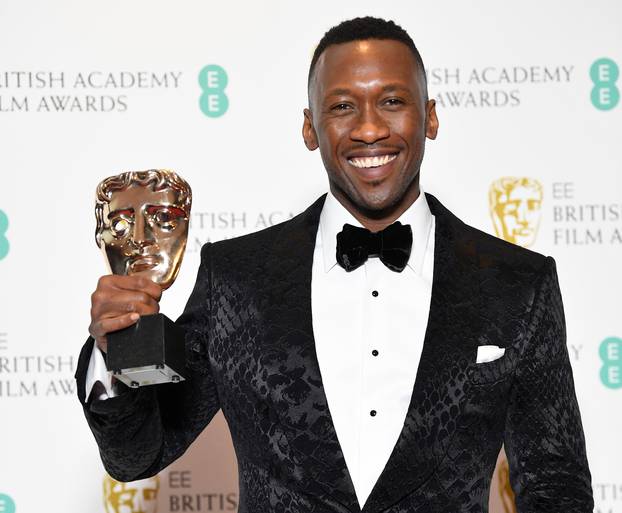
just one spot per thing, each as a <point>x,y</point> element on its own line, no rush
<point>378,370</point>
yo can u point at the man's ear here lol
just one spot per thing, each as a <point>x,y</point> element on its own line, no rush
<point>431,120</point>
<point>308,132</point>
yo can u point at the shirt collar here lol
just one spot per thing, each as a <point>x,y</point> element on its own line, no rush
<point>334,215</point>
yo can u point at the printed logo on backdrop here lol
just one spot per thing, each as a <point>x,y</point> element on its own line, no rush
<point>515,206</point>
<point>88,91</point>
<point>610,352</point>
<point>604,74</point>
<point>7,505</point>
<point>4,241</point>
<point>213,81</point>
<point>178,494</point>
<point>494,86</point>
<point>506,494</point>
<point>134,497</point>
<point>581,221</point>
<point>214,226</point>
<point>185,495</point>
<point>29,375</point>
<point>607,497</point>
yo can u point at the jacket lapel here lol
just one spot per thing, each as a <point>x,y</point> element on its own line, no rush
<point>290,357</point>
<point>440,388</point>
<point>441,384</point>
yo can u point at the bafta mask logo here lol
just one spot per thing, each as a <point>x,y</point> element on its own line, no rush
<point>142,223</point>
<point>135,497</point>
<point>515,206</point>
<point>505,489</point>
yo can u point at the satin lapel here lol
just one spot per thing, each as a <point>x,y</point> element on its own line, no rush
<point>441,384</point>
<point>290,356</point>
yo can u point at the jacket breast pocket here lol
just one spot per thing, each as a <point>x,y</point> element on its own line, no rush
<point>499,369</point>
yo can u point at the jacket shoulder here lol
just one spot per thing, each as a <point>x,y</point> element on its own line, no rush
<point>496,252</point>
<point>261,245</point>
<point>490,251</point>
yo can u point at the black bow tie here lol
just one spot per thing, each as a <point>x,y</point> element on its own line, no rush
<point>392,245</point>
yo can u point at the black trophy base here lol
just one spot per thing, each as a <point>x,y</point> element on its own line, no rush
<point>147,353</point>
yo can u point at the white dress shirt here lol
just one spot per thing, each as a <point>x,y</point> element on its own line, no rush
<point>369,325</point>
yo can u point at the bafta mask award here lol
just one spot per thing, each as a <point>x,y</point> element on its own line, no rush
<point>142,229</point>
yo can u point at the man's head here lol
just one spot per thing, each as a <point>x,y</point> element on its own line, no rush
<point>369,114</point>
<point>142,223</point>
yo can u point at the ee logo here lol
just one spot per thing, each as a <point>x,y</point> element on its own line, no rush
<point>604,73</point>
<point>6,504</point>
<point>213,80</point>
<point>611,354</point>
<point>4,242</point>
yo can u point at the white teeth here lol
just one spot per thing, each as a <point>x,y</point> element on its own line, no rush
<point>363,162</point>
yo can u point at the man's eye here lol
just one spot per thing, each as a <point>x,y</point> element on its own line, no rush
<point>341,107</point>
<point>393,102</point>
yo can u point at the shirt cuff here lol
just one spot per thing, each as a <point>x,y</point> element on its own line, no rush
<point>97,371</point>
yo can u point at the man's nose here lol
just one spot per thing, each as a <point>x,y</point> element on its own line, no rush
<point>370,126</point>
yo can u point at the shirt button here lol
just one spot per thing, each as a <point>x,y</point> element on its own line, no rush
<point>374,352</point>
<point>374,293</point>
<point>373,413</point>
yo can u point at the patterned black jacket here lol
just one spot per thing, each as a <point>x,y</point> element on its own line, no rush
<point>251,353</point>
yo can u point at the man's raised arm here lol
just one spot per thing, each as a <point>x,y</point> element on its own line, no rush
<point>141,431</point>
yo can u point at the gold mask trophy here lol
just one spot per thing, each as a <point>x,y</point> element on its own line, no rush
<point>142,228</point>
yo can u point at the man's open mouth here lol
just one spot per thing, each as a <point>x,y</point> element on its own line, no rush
<point>375,161</point>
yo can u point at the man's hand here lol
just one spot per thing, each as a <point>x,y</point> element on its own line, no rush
<point>118,302</point>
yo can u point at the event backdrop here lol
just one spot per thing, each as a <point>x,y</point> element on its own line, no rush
<point>528,149</point>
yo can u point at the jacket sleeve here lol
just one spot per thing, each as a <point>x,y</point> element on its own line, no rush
<point>141,431</point>
<point>544,438</point>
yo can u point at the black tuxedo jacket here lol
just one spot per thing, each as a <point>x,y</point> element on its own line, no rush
<point>251,352</point>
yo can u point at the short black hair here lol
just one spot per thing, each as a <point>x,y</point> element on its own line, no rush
<point>359,29</point>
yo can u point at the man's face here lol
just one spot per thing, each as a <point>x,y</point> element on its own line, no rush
<point>145,231</point>
<point>369,117</point>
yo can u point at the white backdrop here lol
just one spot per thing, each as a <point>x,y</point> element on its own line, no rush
<point>92,89</point>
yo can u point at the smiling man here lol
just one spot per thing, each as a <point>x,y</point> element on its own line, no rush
<point>369,115</point>
<point>374,352</point>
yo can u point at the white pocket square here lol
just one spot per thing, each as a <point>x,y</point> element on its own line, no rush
<point>489,353</point>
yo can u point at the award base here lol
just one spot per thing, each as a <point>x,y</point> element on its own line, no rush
<point>150,352</point>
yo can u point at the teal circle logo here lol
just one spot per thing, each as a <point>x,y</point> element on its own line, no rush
<point>610,352</point>
<point>4,242</point>
<point>213,80</point>
<point>6,504</point>
<point>604,74</point>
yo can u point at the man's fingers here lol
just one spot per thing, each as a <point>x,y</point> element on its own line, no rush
<point>99,329</point>
<point>138,283</point>
<point>114,309</point>
<point>111,305</point>
<point>102,343</point>
<point>118,302</point>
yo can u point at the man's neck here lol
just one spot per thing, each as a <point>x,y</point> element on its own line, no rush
<point>375,221</point>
